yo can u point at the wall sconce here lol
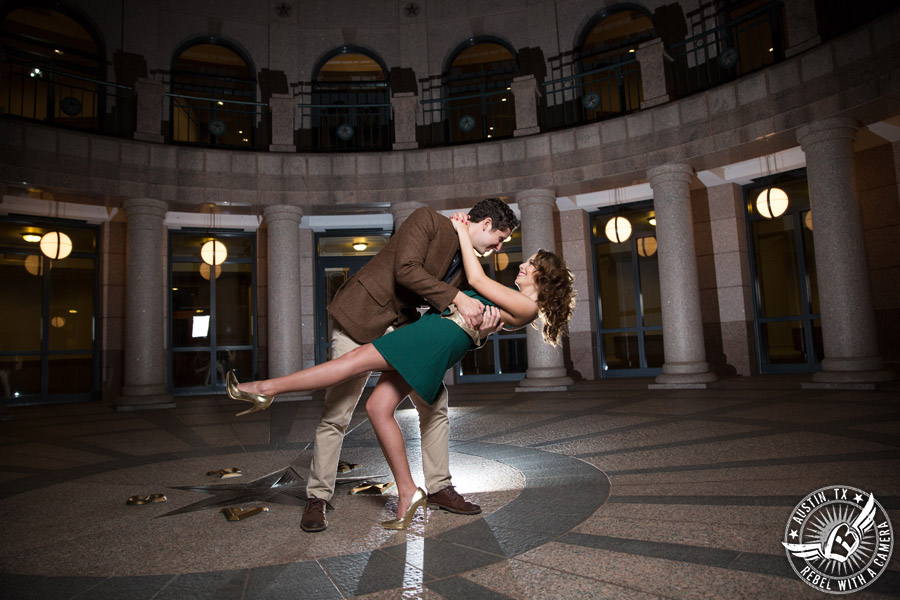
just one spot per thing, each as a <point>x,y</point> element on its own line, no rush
<point>56,245</point>
<point>213,252</point>
<point>618,229</point>
<point>360,246</point>
<point>31,238</point>
<point>771,202</point>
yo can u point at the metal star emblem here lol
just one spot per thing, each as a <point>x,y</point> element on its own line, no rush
<point>281,487</point>
<point>412,9</point>
<point>284,10</point>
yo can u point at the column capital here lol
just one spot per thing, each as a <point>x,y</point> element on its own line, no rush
<point>827,129</point>
<point>283,212</point>
<point>145,206</point>
<point>670,172</point>
<point>536,196</point>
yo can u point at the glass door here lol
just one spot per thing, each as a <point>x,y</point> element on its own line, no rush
<point>212,311</point>
<point>339,256</point>
<point>48,337</point>
<point>627,286</point>
<point>783,268</point>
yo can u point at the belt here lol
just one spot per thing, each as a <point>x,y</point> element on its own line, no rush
<point>452,313</point>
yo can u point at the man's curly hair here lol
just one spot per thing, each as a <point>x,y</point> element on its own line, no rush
<point>502,216</point>
<point>556,295</point>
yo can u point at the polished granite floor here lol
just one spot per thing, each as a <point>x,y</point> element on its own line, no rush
<point>608,490</point>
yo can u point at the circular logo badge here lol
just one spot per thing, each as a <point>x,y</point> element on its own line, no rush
<point>839,539</point>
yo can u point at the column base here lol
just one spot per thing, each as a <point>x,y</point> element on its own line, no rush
<point>683,381</point>
<point>848,380</point>
<point>125,403</point>
<point>526,131</point>
<point>405,146</point>
<point>649,103</point>
<point>545,384</point>
<point>282,148</point>
<point>149,137</point>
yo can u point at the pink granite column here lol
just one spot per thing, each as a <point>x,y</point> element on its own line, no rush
<point>144,381</point>
<point>284,318</point>
<point>546,366</point>
<point>845,298</point>
<point>526,92</point>
<point>685,354</point>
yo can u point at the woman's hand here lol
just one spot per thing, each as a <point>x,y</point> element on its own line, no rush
<point>460,221</point>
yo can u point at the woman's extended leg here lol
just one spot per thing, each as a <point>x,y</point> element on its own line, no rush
<point>387,395</point>
<point>361,360</point>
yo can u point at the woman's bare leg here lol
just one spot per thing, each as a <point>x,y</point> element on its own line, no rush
<point>356,362</point>
<point>385,398</point>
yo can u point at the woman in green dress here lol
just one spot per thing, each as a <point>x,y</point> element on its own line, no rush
<point>416,357</point>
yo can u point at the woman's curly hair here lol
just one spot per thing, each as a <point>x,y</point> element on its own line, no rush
<point>556,295</point>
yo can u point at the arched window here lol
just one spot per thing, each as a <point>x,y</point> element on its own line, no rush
<point>213,96</point>
<point>53,68</point>
<point>477,101</point>
<point>610,75</point>
<point>351,105</point>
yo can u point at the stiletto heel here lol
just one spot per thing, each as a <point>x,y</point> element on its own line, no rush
<point>259,401</point>
<point>420,498</point>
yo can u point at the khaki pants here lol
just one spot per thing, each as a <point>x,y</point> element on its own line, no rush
<point>341,401</point>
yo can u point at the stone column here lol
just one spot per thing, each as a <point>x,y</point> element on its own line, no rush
<point>653,60</point>
<point>848,319</point>
<point>144,378</point>
<point>546,366</point>
<point>282,109</point>
<point>526,92</point>
<point>404,106</point>
<point>685,354</point>
<point>148,120</point>
<point>802,29</point>
<point>283,293</point>
<point>401,210</point>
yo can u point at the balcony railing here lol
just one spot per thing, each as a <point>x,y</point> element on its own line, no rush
<point>344,127</point>
<point>218,122</point>
<point>66,99</point>
<point>469,118</point>
<point>745,44</point>
<point>592,96</point>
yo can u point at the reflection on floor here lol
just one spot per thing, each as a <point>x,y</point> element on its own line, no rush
<point>609,490</point>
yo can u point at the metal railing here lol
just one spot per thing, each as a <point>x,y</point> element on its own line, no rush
<point>592,96</point>
<point>218,122</point>
<point>344,127</point>
<point>469,118</point>
<point>728,51</point>
<point>65,99</point>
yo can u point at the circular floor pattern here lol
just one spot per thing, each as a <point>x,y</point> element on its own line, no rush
<point>529,497</point>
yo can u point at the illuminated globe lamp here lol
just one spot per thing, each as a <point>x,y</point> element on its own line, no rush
<point>618,229</point>
<point>771,202</point>
<point>807,220</point>
<point>35,265</point>
<point>56,245</point>
<point>646,246</point>
<point>213,252</point>
<point>205,270</point>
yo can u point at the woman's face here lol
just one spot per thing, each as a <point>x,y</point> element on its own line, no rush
<point>526,271</point>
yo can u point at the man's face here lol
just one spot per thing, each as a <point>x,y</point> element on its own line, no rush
<point>485,238</point>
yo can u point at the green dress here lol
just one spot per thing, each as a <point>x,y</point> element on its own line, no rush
<point>423,351</point>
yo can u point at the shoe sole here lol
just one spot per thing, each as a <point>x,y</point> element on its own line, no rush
<point>453,510</point>
<point>311,530</point>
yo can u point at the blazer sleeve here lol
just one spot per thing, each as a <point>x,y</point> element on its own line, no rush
<point>415,238</point>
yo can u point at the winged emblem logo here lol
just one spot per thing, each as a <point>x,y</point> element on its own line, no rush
<point>843,539</point>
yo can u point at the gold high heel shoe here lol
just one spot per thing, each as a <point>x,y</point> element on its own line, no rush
<point>259,401</point>
<point>420,498</point>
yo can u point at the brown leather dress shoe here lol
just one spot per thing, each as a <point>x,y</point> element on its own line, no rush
<point>449,499</point>
<point>314,516</point>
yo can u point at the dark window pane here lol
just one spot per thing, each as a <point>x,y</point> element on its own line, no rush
<point>190,305</point>
<point>190,369</point>
<point>513,355</point>
<point>234,310</point>
<point>622,351</point>
<point>72,304</point>
<point>70,374</point>
<point>20,301</point>
<point>20,375</point>
<point>479,362</point>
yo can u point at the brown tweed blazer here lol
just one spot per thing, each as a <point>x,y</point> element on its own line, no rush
<point>407,273</point>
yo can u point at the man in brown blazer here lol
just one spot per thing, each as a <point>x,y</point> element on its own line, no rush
<point>419,265</point>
